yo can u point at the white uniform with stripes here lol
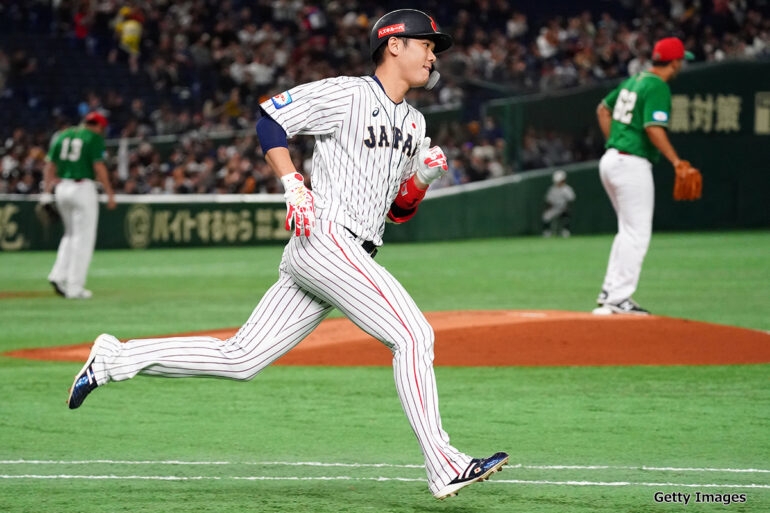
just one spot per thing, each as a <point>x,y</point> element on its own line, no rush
<point>365,147</point>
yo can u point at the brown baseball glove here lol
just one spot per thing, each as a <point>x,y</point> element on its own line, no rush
<point>689,182</point>
<point>47,213</point>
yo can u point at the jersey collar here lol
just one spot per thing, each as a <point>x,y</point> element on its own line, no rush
<point>650,73</point>
<point>383,91</point>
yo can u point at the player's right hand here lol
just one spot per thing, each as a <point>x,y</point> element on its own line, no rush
<point>299,204</point>
<point>431,162</point>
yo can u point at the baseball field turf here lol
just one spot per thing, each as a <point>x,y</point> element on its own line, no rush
<point>330,439</point>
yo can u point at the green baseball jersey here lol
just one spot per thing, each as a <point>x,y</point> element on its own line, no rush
<point>638,102</point>
<point>74,151</point>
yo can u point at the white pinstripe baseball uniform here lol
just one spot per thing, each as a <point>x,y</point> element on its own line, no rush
<point>365,147</point>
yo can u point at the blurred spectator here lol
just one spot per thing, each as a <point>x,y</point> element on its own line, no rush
<point>92,103</point>
<point>128,32</point>
<point>5,68</point>
<point>82,26</point>
<point>517,25</point>
<point>22,66</point>
<point>451,93</point>
<point>210,63</point>
<point>639,63</point>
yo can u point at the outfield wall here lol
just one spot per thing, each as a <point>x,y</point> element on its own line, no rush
<point>495,208</point>
<point>153,221</point>
<point>514,205</point>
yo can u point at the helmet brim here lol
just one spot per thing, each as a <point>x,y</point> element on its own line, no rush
<point>443,41</point>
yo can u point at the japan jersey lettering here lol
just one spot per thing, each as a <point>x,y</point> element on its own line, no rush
<point>365,147</point>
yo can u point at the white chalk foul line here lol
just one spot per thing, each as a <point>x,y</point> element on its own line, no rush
<point>176,462</point>
<point>319,464</point>
<point>377,465</point>
<point>643,467</point>
<point>379,479</point>
<point>628,483</point>
<point>210,478</point>
<point>112,462</point>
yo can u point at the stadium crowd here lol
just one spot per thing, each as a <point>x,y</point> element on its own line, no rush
<point>210,63</point>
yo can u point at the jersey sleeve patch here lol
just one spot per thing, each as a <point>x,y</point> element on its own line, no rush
<point>281,100</point>
<point>660,116</point>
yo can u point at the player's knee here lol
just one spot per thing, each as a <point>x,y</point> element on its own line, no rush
<point>240,362</point>
<point>637,233</point>
<point>424,337</point>
<point>246,376</point>
<point>415,335</point>
<point>641,236</point>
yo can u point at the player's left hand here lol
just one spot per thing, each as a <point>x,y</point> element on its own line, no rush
<point>299,204</point>
<point>688,183</point>
<point>431,162</point>
<point>47,212</point>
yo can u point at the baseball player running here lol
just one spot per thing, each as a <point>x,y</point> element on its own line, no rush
<point>372,161</point>
<point>76,157</point>
<point>634,118</point>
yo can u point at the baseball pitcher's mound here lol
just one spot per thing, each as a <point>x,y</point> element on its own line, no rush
<point>503,338</point>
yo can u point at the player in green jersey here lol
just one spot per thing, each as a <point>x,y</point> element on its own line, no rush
<point>633,118</point>
<point>74,160</point>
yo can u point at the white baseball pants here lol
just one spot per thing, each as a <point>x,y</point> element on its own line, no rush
<point>79,208</point>
<point>629,184</point>
<point>318,273</point>
<point>552,213</point>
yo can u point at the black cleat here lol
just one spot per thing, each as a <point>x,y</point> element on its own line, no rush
<point>85,380</point>
<point>602,298</point>
<point>478,470</point>
<point>57,288</point>
<point>84,384</point>
<point>627,306</point>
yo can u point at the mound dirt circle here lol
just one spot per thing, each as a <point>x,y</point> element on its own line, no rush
<point>505,338</point>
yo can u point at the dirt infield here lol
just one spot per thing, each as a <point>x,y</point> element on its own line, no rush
<point>531,338</point>
<point>25,294</point>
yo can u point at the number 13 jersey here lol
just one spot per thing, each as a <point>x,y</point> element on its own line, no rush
<point>74,151</point>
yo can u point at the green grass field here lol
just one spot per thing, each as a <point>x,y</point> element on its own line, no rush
<point>162,445</point>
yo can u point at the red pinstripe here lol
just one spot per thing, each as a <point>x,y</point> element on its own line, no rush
<point>414,359</point>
